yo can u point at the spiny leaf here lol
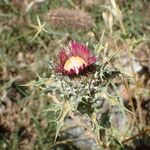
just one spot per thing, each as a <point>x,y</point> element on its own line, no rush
<point>67,107</point>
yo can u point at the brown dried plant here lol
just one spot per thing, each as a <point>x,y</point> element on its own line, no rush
<point>90,2</point>
<point>69,18</point>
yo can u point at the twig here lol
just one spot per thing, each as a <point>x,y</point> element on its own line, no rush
<point>134,136</point>
<point>67,141</point>
<point>138,100</point>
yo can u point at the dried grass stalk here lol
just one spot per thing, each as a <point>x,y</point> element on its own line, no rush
<point>69,18</point>
<point>90,2</point>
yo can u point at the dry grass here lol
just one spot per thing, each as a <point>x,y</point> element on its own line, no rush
<point>23,125</point>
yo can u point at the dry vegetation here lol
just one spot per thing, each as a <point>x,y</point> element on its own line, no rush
<point>31,34</point>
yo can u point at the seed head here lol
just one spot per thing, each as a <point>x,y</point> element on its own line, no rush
<point>69,18</point>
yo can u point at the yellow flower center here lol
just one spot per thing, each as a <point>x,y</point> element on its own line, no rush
<point>74,62</point>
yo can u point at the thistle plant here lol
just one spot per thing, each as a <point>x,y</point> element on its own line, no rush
<point>77,101</point>
<point>79,86</point>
